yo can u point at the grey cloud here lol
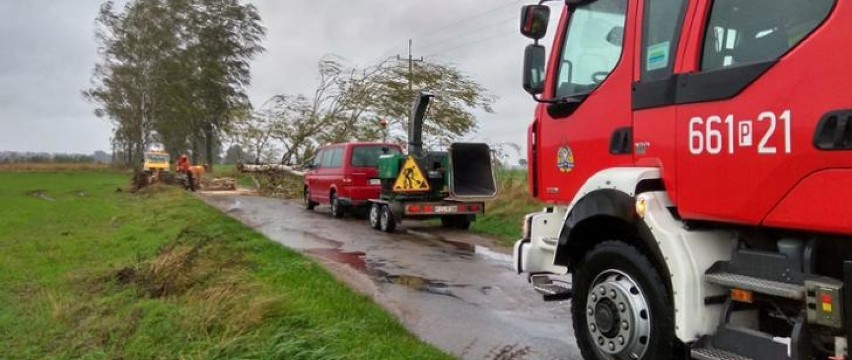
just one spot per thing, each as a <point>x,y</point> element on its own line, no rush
<point>49,51</point>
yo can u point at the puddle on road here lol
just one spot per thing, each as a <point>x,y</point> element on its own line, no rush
<point>353,259</point>
<point>357,261</point>
<point>467,250</point>
<point>418,283</point>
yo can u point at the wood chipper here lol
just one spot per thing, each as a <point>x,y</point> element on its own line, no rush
<point>450,185</point>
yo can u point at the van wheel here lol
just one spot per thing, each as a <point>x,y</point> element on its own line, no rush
<point>386,221</point>
<point>336,208</point>
<point>375,215</point>
<point>621,308</point>
<point>310,205</point>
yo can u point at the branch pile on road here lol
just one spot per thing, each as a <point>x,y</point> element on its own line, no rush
<point>276,180</point>
<point>219,184</point>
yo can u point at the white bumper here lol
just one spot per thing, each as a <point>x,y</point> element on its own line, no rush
<point>535,253</point>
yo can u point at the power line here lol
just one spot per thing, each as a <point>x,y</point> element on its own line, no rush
<point>439,29</point>
<point>466,19</point>
<point>477,31</point>
<point>471,44</point>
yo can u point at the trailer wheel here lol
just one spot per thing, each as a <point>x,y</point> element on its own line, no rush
<point>448,221</point>
<point>310,205</point>
<point>461,222</point>
<point>375,215</point>
<point>336,208</point>
<point>621,308</point>
<point>386,221</point>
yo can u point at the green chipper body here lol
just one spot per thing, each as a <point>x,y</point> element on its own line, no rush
<point>459,180</point>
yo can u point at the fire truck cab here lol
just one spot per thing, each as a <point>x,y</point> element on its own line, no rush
<point>698,158</point>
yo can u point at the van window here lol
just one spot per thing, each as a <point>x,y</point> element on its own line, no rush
<point>317,160</point>
<point>368,156</point>
<point>751,31</point>
<point>333,158</point>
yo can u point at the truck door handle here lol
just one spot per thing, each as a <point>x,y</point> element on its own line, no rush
<point>621,141</point>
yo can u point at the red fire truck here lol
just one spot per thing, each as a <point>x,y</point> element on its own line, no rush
<point>698,156</point>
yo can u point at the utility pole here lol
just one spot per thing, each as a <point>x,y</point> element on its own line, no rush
<point>411,61</point>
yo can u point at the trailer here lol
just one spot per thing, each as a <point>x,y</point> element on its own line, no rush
<point>450,185</point>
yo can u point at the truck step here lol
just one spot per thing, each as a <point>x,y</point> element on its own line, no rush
<point>763,286</point>
<point>549,290</point>
<point>716,354</point>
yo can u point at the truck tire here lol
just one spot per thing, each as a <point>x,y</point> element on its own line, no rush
<point>336,207</point>
<point>375,215</point>
<point>386,221</point>
<point>310,205</point>
<point>621,308</point>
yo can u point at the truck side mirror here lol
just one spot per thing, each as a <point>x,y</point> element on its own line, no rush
<point>534,58</point>
<point>534,20</point>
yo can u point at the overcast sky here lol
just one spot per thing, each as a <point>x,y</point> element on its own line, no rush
<point>48,51</point>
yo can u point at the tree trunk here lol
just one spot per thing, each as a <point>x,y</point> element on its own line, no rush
<point>208,142</point>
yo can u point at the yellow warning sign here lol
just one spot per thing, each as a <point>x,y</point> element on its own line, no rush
<point>411,178</point>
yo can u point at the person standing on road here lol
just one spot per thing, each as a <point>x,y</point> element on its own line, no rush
<point>183,166</point>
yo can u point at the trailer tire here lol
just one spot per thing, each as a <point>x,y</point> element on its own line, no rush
<point>621,308</point>
<point>462,222</point>
<point>375,215</point>
<point>448,222</point>
<point>387,223</point>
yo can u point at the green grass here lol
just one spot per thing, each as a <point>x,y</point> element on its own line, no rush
<point>503,215</point>
<point>88,272</point>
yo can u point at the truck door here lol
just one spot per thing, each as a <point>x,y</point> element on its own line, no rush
<point>591,69</point>
<point>761,79</point>
<point>654,113</point>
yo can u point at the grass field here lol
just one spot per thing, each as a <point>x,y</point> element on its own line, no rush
<point>89,272</point>
<point>503,215</point>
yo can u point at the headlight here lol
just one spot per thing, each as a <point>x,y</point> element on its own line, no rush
<point>527,227</point>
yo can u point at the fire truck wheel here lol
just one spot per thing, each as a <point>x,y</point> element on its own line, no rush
<point>310,205</point>
<point>386,221</point>
<point>621,308</point>
<point>336,207</point>
<point>375,214</point>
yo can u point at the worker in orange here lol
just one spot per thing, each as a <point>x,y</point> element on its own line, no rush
<point>183,166</point>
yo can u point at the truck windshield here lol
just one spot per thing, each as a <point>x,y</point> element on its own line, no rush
<point>157,158</point>
<point>592,47</point>
<point>368,156</point>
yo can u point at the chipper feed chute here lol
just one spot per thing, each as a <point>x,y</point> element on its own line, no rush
<point>471,175</point>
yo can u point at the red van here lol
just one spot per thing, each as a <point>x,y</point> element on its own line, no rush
<point>345,175</point>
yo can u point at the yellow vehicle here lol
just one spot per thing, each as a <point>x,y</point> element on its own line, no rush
<point>156,161</point>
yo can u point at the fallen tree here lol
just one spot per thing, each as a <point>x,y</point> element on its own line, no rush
<point>275,180</point>
<point>266,168</point>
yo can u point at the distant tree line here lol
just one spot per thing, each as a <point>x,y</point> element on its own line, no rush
<point>173,73</point>
<point>8,157</point>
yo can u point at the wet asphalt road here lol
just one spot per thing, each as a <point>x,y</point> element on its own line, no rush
<point>461,297</point>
